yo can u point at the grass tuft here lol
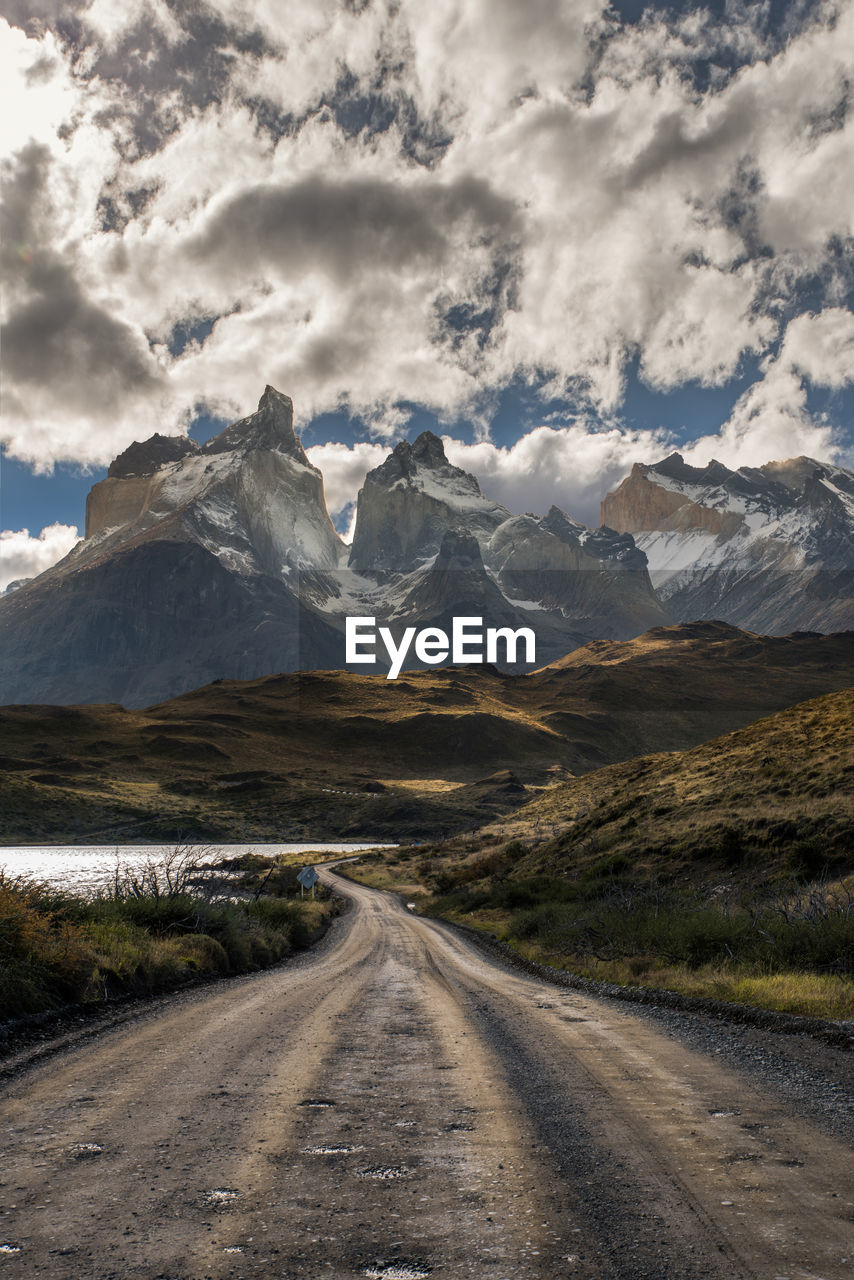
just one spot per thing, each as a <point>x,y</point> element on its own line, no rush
<point>58,949</point>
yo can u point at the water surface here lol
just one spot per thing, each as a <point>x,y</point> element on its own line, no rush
<point>88,868</point>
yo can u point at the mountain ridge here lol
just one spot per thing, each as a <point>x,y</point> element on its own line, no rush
<point>221,560</point>
<point>337,754</point>
<point>769,548</point>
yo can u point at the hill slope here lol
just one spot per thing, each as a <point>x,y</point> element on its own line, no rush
<point>725,871</point>
<point>775,797</point>
<point>333,753</point>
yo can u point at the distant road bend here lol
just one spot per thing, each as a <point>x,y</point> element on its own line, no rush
<point>394,1104</point>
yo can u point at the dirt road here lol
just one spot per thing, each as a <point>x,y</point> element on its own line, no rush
<point>397,1105</point>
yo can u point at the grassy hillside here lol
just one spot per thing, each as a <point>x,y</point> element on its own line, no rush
<point>725,870</point>
<point>332,754</point>
<point>776,797</point>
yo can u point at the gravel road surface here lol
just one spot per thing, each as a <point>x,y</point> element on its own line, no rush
<point>396,1105</point>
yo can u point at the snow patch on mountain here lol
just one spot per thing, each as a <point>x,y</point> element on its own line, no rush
<point>668,552</point>
<point>769,548</point>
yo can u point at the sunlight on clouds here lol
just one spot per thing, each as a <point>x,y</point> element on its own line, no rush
<point>22,556</point>
<point>821,347</point>
<point>422,204</point>
<point>568,467</point>
<point>771,420</point>
<point>110,21</point>
<point>38,91</point>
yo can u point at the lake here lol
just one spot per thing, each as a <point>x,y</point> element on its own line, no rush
<point>88,868</point>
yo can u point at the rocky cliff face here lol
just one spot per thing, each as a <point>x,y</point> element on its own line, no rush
<point>409,503</point>
<point>770,548</point>
<point>250,495</point>
<point>222,561</point>
<point>644,501</point>
<point>596,578</point>
<point>192,569</point>
<point>456,583</point>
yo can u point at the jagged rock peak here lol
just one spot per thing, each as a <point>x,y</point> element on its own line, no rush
<point>271,426</point>
<point>775,483</point>
<point>410,501</point>
<point>609,545</point>
<point>604,543</point>
<point>143,458</point>
<point>428,448</point>
<point>794,473</point>
<point>557,522</point>
<point>675,467</point>
<point>426,453</point>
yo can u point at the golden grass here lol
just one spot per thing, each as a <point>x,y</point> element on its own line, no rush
<point>780,790</point>
<point>425,786</point>
<point>313,912</point>
<point>379,876</point>
<point>316,742</point>
<point>807,994</point>
<point>307,858</point>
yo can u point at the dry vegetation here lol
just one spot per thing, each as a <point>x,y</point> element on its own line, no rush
<point>777,796</point>
<point>334,754</point>
<point>159,926</point>
<point>723,871</point>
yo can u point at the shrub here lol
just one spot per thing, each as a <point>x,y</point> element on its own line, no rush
<point>56,949</point>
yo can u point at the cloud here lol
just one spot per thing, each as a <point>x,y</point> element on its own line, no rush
<point>568,467</point>
<point>771,420</point>
<point>821,347</point>
<point>385,204</point>
<point>354,274</point>
<point>38,88</point>
<point>344,469</point>
<point>71,364</point>
<point>341,227</point>
<point>22,556</point>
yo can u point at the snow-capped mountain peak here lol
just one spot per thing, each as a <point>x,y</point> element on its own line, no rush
<point>250,495</point>
<point>770,547</point>
<point>270,427</point>
<point>410,501</point>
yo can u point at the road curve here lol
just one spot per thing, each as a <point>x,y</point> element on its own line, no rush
<point>397,1105</point>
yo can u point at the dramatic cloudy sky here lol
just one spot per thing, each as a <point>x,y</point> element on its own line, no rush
<point>567,235</point>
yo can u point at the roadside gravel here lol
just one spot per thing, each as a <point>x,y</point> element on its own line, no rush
<point>809,1062</point>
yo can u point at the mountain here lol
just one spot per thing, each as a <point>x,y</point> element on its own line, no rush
<point>409,502</point>
<point>770,548</point>
<point>192,568</point>
<point>427,534</point>
<point>595,579</point>
<point>250,496</point>
<point>221,561</point>
<point>455,582</point>
<point>340,754</point>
